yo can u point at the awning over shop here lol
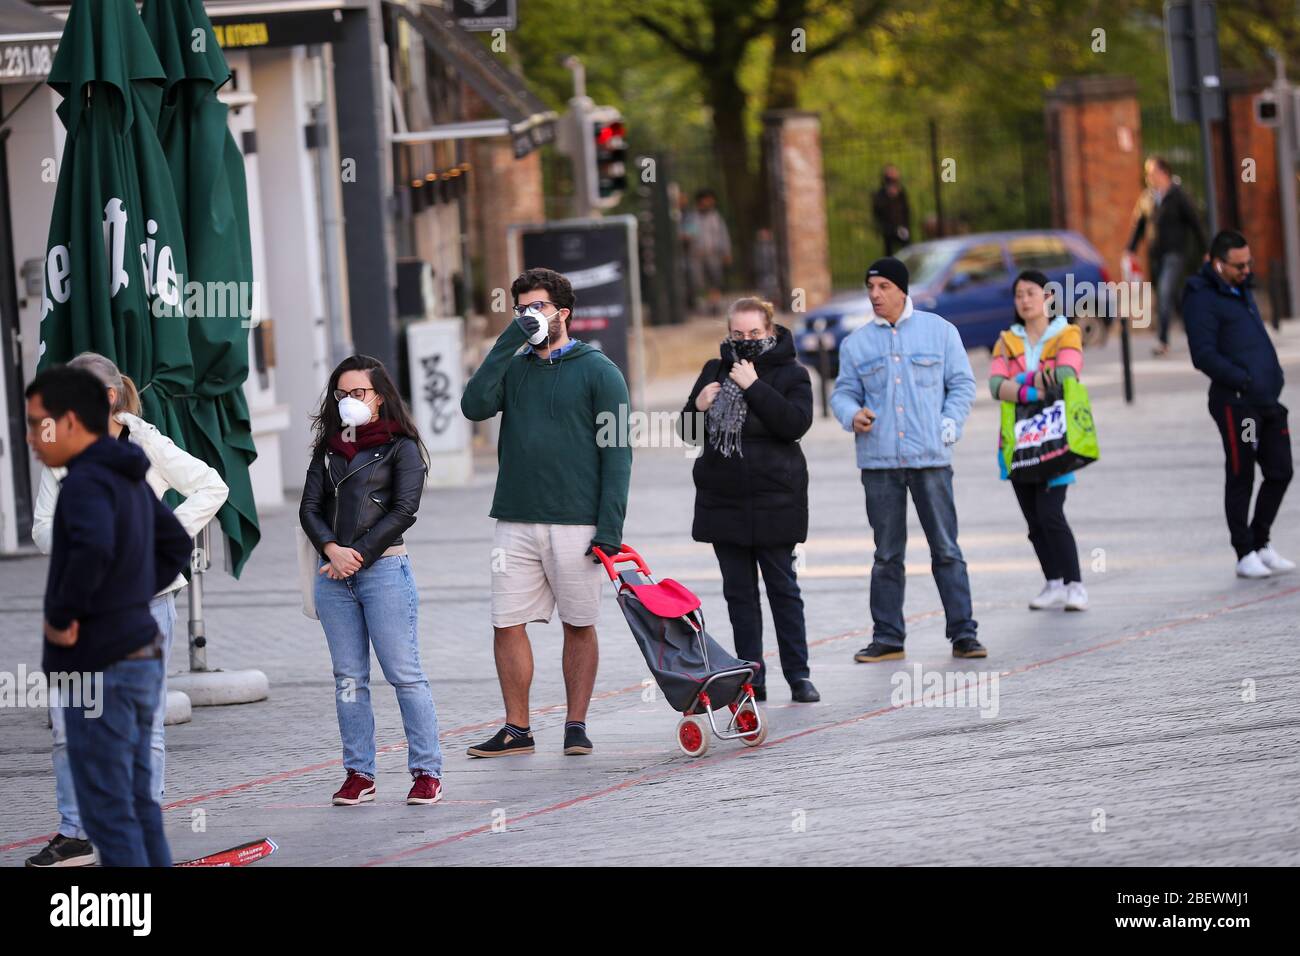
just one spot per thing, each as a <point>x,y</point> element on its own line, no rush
<point>28,39</point>
<point>528,121</point>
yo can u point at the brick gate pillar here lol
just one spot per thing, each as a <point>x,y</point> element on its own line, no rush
<point>797,192</point>
<point>1094,131</point>
<point>1246,172</point>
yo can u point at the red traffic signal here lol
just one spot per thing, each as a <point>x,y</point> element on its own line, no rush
<point>610,135</point>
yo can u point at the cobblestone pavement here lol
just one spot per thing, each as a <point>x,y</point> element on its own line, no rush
<point>1152,729</point>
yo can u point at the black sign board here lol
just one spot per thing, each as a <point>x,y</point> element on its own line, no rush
<point>598,256</point>
<point>539,134</point>
<point>481,15</point>
<point>1192,46</point>
<point>245,32</point>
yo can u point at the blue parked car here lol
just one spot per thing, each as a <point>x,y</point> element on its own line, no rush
<point>967,280</point>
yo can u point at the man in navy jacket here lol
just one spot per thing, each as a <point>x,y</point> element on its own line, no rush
<point>1230,344</point>
<point>114,546</point>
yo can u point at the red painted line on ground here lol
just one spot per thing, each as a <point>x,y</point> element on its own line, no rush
<point>833,725</point>
<point>453,732</point>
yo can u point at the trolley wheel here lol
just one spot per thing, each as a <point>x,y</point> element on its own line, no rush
<point>692,737</point>
<point>747,719</point>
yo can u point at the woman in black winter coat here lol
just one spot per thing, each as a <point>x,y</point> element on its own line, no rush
<point>749,409</point>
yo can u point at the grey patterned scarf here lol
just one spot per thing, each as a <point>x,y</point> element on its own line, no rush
<point>725,419</point>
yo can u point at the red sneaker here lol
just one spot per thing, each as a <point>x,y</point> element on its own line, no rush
<point>425,789</point>
<point>356,789</point>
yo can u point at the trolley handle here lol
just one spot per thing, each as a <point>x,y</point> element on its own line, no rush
<point>626,554</point>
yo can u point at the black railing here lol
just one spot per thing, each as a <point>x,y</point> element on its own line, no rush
<point>960,178</point>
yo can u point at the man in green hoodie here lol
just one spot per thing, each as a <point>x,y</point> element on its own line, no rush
<point>560,492</point>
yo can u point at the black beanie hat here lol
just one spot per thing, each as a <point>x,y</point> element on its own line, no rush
<point>888,268</point>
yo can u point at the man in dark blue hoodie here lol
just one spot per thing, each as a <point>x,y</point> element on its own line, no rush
<point>115,545</point>
<point>1230,344</point>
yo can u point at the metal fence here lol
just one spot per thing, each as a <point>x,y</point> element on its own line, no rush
<point>664,272</point>
<point>1180,145</point>
<point>967,177</point>
<point>959,178</point>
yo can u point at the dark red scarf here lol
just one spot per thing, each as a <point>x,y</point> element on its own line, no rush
<point>379,432</point>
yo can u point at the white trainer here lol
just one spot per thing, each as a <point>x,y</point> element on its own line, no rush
<point>1076,596</point>
<point>1053,594</point>
<point>1252,566</point>
<point>1274,561</point>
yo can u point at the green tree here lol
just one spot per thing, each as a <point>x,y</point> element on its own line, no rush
<point>718,37</point>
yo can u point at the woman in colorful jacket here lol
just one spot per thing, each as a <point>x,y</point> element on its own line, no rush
<point>1031,346</point>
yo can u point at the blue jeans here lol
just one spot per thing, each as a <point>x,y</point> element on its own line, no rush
<point>163,609</point>
<point>378,607</point>
<point>931,488</point>
<point>112,766</point>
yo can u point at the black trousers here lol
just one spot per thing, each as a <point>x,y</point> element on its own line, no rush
<point>1044,511</point>
<point>1253,435</point>
<point>740,566</point>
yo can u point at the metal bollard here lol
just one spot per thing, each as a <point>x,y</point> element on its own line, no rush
<point>200,561</point>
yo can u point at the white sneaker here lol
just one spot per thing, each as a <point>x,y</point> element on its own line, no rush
<point>1053,594</point>
<point>1274,561</point>
<point>1251,566</point>
<point>1076,596</point>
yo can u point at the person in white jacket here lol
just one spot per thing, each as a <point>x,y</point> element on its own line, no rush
<point>170,468</point>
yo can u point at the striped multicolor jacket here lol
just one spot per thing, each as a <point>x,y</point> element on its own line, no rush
<point>1063,349</point>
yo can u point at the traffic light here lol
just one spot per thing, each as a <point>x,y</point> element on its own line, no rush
<point>608,179</point>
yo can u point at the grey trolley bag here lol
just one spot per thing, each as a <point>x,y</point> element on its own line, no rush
<point>699,679</point>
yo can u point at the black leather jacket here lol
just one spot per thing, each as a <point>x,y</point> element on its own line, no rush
<point>366,503</point>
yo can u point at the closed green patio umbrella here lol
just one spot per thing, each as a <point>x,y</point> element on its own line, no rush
<point>115,251</point>
<point>207,172</point>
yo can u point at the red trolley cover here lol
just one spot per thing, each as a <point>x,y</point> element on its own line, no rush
<point>667,598</point>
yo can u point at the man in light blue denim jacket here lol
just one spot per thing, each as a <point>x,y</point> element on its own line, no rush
<point>905,388</point>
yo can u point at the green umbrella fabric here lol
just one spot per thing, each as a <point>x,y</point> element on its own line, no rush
<point>207,172</point>
<point>115,248</point>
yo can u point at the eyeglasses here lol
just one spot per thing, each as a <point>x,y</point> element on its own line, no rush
<point>1240,266</point>
<point>358,393</point>
<point>533,308</point>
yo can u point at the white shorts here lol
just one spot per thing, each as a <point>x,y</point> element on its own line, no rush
<point>539,567</point>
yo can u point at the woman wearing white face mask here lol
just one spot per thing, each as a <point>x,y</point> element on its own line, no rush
<point>170,468</point>
<point>361,492</point>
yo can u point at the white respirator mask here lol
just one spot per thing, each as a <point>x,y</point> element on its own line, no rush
<point>354,412</point>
